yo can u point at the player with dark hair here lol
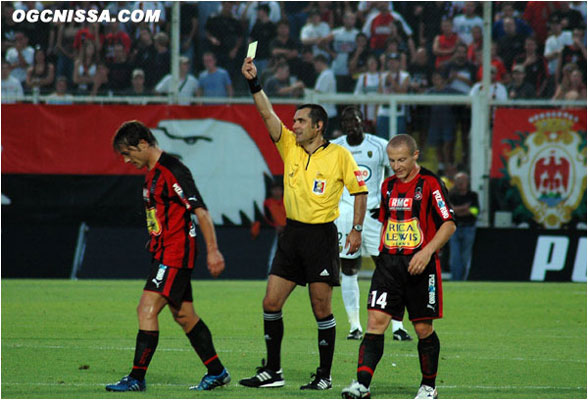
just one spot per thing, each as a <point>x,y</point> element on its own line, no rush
<point>171,200</point>
<point>418,221</point>
<point>369,151</point>
<point>315,172</point>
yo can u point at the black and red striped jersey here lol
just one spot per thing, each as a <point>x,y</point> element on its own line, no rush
<point>170,196</point>
<point>412,212</point>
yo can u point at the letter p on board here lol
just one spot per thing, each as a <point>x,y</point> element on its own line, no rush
<point>550,255</point>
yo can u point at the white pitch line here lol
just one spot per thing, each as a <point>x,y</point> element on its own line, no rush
<point>411,355</point>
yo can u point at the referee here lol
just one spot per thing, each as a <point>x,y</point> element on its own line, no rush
<point>315,172</point>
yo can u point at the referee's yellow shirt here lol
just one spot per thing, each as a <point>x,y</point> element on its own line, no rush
<point>313,183</point>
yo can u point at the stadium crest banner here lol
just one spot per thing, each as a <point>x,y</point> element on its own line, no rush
<point>62,148</point>
<point>539,165</point>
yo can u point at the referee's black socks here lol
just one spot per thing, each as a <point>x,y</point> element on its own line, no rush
<point>370,353</point>
<point>273,329</point>
<point>326,344</point>
<point>429,357</point>
<point>144,349</point>
<point>201,341</point>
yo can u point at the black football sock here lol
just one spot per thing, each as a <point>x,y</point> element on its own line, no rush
<point>273,329</point>
<point>326,344</point>
<point>201,341</point>
<point>429,358</point>
<point>370,353</point>
<point>144,349</point>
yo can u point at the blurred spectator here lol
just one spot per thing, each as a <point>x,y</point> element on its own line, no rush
<point>575,52</point>
<point>342,47</point>
<point>571,81</point>
<point>477,42</point>
<point>519,88</point>
<point>11,87</point>
<point>537,15</point>
<point>535,66</point>
<point>555,44</point>
<point>326,83</point>
<point>271,68</point>
<point>497,90</point>
<point>379,27</point>
<point>113,37</point>
<point>461,75</point>
<point>20,57</point>
<point>144,55</point>
<point>434,12</point>
<point>9,27</point>
<point>154,27</point>
<point>284,45</point>
<point>225,36</point>
<point>162,61</point>
<point>315,33</point>
<point>579,6</point>
<point>358,59</point>
<point>187,83</point>
<point>42,73</point>
<point>248,13</point>
<point>214,81</point>
<point>508,11</point>
<point>442,124</point>
<point>86,31</point>
<point>420,72</point>
<point>100,85</point>
<point>369,82</point>
<point>206,9</point>
<point>466,207</point>
<point>445,43</point>
<point>281,85</point>
<point>119,70</point>
<point>65,51</point>
<point>463,23</point>
<point>495,61</point>
<point>85,66</point>
<point>297,14</point>
<point>60,96</point>
<point>569,17</point>
<point>511,44</point>
<point>394,81</point>
<point>188,29</point>
<point>138,83</point>
<point>396,43</point>
<point>264,31</point>
<point>305,70</point>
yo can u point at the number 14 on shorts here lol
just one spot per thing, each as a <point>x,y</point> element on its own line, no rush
<point>375,300</point>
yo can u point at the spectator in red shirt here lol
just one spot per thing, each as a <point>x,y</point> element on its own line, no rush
<point>445,43</point>
<point>115,35</point>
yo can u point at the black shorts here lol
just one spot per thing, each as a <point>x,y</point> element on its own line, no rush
<point>172,283</point>
<point>393,289</point>
<point>307,253</point>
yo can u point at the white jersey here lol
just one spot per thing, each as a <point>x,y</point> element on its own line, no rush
<point>372,159</point>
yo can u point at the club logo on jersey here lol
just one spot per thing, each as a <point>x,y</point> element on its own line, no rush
<point>432,291</point>
<point>370,154</point>
<point>400,204</point>
<point>359,177</point>
<point>441,204</point>
<point>366,172</point>
<point>418,193</point>
<point>153,225</point>
<point>319,186</point>
<point>405,234</point>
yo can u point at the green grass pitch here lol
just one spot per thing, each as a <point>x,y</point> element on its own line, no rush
<point>67,339</point>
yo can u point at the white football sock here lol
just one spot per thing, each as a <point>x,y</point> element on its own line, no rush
<point>396,325</point>
<point>350,294</point>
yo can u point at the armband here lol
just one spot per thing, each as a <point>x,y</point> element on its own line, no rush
<point>254,85</point>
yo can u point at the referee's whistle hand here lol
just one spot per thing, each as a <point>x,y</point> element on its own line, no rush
<point>353,241</point>
<point>249,69</point>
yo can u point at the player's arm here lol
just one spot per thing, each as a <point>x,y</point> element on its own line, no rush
<point>353,241</point>
<point>214,258</point>
<point>271,120</point>
<point>420,260</point>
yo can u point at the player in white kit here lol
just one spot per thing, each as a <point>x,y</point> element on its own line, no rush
<point>369,151</point>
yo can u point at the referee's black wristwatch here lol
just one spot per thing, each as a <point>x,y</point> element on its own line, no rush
<point>358,227</point>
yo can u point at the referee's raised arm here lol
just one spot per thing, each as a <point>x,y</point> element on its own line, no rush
<point>271,120</point>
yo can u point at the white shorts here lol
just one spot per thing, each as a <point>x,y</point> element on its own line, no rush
<point>370,235</point>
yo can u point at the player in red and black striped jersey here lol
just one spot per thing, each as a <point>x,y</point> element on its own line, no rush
<point>417,221</point>
<point>171,201</point>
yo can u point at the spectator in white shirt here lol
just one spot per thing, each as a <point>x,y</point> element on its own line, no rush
<point>187,83</point>
<point>497,90</point>
<point>315,33</point>
<point>555,43</point>
<point>463,23</point>
<point>20,57</point>
<point>326,83</point>
<point>11,87</point>
<point>343,45</point>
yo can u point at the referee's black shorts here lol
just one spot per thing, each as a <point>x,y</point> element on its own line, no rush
<point>307,253</point>
<point>393,289</point>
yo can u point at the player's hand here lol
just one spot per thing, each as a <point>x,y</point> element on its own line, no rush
<point>419,262</point>
<point>249,69</point>
<point>216,263</point>
<point>353,241</point>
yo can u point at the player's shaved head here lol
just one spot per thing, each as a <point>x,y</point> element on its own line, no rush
<point>404,140</point>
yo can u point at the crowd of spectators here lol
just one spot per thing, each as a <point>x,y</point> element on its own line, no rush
<point>538,51</point>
